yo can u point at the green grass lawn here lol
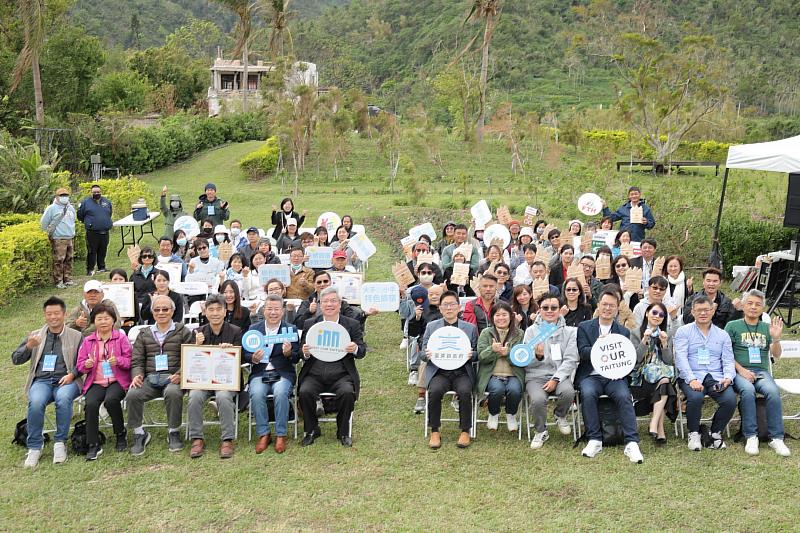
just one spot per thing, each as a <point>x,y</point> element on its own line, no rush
<point>390,480</point>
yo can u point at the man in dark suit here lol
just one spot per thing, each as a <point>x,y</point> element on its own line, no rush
<point>646,261</point>
<point>461,380</point>
<point>592,385</point>
<point>339,377</point>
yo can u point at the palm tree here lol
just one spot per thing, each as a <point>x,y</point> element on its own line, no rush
<point>489,12</point>
<point>279,16</point>
<point>32,15</point>
<point>244,9</point>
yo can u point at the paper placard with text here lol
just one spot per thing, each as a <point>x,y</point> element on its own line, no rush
<point>349,285</point>
<point>174,270</point>
<point>279,272</point>
<point>422,229</point>
<point>626,249</point>
<point>319,256</point>
<point>122,294</point>
<point>424,257</point>
<point>465,250</point>
<point>637,214</point>
<point>362,246</point>
<point>543,255</point>
<point>575,270</point>
<point>530,214</point>
<point>403,275</point>
<point>133,254</point>
<point>224,252</point>
<point>481,213</point>
<point>383,296</point>
<point>210,367</point>
<point>460,274</point>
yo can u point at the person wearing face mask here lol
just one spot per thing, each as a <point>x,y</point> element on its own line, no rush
<point>172,211</point>
<point>220,235</point>
<point>58,221</point>
<point>238,239</point>
<point>95,213</point>
<point>180,245</point>
<point>302,277</point>
<point>211,207</point>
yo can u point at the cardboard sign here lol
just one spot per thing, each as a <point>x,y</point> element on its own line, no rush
<point>585,245</point>
<point>133,254</point>
<point>460,274</point>
<point>547,229</point>
<point>543,255</point>
<point>349,286</point>
<point>362,246</point>
<point>122,294</point>
<point>475,284</point>
<point>424,257</point>
<point>613,356</point>
<point>590,204</point>
<point>481,213</point>
<point>385,297</point>
<point>422,229</point>
<point>465,250</point>
<point>575,270</point>
<point>224,251</point>
<point>450,348</point>
<point>330,221</point>
<point>504,216</point>
<point>602,267</point>
<point>319,256</point>
<point>658,266</point>
<point>540,286</point>
<point>327,341</point>
<point>637,214</point>
<point>530,214</point>
<point>633,280</point>
<point>403,275</point>
<point>210,367</point>
<point>407,243</point>
<point>279,272</point>
<point>626,249</point>
<point>497,232</point>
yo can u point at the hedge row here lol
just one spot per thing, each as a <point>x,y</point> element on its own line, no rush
<point>262,162</point>
<point>742,240</point>
<point>123,193</point>
<point>620,141</point>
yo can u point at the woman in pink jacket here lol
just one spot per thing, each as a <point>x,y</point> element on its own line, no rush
<point>105,358</point>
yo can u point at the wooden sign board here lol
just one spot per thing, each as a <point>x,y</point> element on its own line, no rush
<point>465,250</point>
<point>626,249</point>
<point>633,280</point>
<point>575,270</point>
<point>133,254</point>
<point>543,255</point>
<point>503,215</point>
<point>424,257</point>
<point>540,286</point>
<point>475,283</point>
<point>224,251</point>
<point>658,267</point>
<point>602,267</point>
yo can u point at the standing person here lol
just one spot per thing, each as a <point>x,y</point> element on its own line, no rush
<point>460,380</point>
<point>211,207</point>
<point>592,385</point>
<point>754,341</point>
<point>105,358</point>
<point>460,237</point>
<point>58,220</point>
<point>273,373</point>
<point>280,218</point>
<point>95,213</point>
<point>53,377</point>
<point>704,359</point>
<point>496,375</point>
<point>290,238</point>
<point>637,231</point>
<point>171,212</point>
<point>217,332</point>
<point>339,377</point>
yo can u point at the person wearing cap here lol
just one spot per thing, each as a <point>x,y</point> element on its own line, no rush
<point>172,211</point>
<point>250,245</point>
<point>95,213</point>
<point>289,238</point>
<point>460,237</point>
<point>280,218</point>
<point>340,262</point>
<point>211,207</point>
<point>419,248</point>
<point>58,220</point>
<point>514,228</point>
<point>92,295</point>
<point>425,312</point>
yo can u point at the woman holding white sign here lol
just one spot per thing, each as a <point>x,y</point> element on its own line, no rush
<point>496,375</point>
<point>161,281</point>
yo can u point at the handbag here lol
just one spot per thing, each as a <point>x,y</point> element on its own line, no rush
<point>656,370</point>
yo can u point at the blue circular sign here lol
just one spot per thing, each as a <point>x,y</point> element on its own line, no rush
<point>252,341</point>
<point>520,355</point>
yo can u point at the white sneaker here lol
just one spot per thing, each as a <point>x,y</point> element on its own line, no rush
<point>563,425</point>
<point>404,343</point>
<point>633,453</point>
<point>419,407</point>
<point>695,444</point>
<point>779,447</point>
<point>592,448</point>
<point>511,422</point>
<point>716,442</point>
<point>59,453</point>
<point>539,439</point>
<point>493,422</point>
<point>751,447</point>
<point>413,377</point>
<point>32,459</point>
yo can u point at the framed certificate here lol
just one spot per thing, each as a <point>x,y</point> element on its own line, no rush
<point>123,297</point>
<point>210,367</point>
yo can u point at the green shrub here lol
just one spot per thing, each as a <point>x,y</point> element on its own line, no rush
<point>123,193</point>
<point>741,240</point>
<point>262,162</point>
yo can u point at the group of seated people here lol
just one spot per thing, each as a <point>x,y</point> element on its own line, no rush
<point>700,343</point>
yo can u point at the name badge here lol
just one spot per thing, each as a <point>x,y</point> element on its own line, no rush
<point>107,371</point>
<point>49,363</point>
<point>555,352</point>
<point>755,354</point>
<point>211,211</point>
<point>161,362</point>
<point>703,355</point>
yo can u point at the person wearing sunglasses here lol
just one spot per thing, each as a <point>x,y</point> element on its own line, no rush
<point>592,385</point>
<point>653,378</point>
<point>204,267</point>
<point>575,309</point>
<point>310,307</point>
<point>155,373</point>
<point>550,371</point>
<point>505,287</point>
<point>144,274</point>
<point>657,293</point>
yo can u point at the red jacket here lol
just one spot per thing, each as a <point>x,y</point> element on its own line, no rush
<point>475,313</point>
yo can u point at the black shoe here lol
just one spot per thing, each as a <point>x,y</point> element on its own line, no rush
<point>122,441</point>
<point>94,451</point>
<point>661,441</point>
<point>140,442</point>
<point>308,439</point>
<point>346,441</point>
<point>175,441</point>
<point>317,432</point>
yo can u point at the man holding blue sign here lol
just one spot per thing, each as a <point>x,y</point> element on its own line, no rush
<point>273,348</point>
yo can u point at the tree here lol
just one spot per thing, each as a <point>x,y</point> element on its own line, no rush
<point>389,143</point>
<point>32,15</point>
<point>334,124</point>
<point>244,10</point>
<point>135,36</point>
<point>279,16</point>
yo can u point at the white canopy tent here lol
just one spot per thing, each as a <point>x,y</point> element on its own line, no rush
<point>772,156</point>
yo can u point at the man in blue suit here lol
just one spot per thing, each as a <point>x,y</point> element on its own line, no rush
<point>624,214</point>
<point>592,385</point>
<point>272,373</point>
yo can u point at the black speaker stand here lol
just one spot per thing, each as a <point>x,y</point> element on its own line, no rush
<point>788,289</point>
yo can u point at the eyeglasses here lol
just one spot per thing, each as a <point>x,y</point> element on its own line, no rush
<point>201,247</point>
<point>701,311</point>
<point>322,282</point>
<point>448,304</point>
<point>572,289</point>
<point>501,273</point>
<point>147,256</point>
<point>549,308</point>
<point>161,309</point>
<point>621,265</point>
<point>657,288</point>
<point>657,314</point>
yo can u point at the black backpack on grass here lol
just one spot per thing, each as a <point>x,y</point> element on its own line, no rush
<point>609,423</point>
<point>21,434</point>
<point>78,438</point>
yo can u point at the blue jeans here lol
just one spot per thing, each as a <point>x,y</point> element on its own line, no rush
<point>747,404</point>
<point>694,405</point>
<point>41,393</point>
<point>258,403</point>
<point>511,388</point>
<point>592,387</point>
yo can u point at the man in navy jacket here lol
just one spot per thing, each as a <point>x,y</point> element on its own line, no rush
<point>95,213</point>
<point>272,373</point>
<point>592,385</point>
<point>624,214</point>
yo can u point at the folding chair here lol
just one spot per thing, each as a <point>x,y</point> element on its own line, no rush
<point>271,398</point>
<point>789,386</point>
<point>49,425</point>
<point>452,394</point>
<point>134,332</point>
<point>573,409</point>
<point>330,395</point>
<point>682,423</point>
<point>476,405</point>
